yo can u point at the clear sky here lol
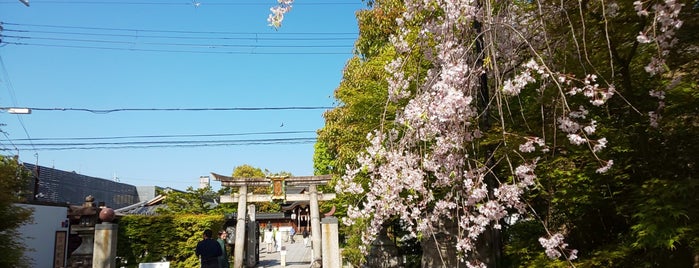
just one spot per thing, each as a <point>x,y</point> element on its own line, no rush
<point>168,54</point>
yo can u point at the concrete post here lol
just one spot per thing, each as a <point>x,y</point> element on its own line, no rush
<point>315,223</point>
<point>282,253</point>
<point>105,248</point>
<point>240,227</point>
<point>331,243</point>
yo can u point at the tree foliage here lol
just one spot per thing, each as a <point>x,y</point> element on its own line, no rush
<point>192,201</point>
<point>248,171</point>
<point>494,110</point>
<point>13,184</point>
<point>636,215</point>
<point>171,238</point>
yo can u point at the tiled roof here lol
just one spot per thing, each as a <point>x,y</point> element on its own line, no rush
<point>60,186</point>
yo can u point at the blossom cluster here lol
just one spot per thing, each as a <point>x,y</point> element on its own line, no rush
<point>661,32</point>
<point>514,86</point>
<point>277,16</point>
<point>555,245</point>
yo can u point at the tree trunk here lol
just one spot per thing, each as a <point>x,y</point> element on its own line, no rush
<point>439,250</point>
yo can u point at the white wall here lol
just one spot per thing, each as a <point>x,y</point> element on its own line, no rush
<point>40,236</point>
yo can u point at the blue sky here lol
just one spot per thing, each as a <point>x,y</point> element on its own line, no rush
<point>104,55</point>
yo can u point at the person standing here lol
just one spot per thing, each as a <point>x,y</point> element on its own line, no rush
<point>269,239</point>
<point>278,238</point>
<point>305,237</point>
<point>208,251</point>
<point>292,232</point>
<point>223,259</point>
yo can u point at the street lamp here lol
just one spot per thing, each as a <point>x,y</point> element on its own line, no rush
<point>17,110</point>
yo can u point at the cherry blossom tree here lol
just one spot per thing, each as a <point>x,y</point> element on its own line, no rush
<point>458,158</point>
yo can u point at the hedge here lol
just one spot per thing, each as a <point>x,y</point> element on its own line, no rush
<point>170,238</point>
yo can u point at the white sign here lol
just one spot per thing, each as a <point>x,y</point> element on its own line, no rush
<point>154,265</point>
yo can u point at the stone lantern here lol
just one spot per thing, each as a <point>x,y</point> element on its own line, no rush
<point>83,220</point>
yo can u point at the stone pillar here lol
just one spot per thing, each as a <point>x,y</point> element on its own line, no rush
<point>240,227</point>
<point>104,253</point>
<point>331,243</point>
<point>315,223</point>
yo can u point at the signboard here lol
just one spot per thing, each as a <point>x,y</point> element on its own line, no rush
<point>59,251</point>
<point>278,188</point>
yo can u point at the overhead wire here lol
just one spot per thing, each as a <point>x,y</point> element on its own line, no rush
<point>11,143</point>
<point>254,37</point>
<point>106,111</point>
<point>161,144</point>
<point>79,143</point>
<point>11,90</point>
<point>81,37</point>
<point>173,136</point>
<point>180,51</point>
<point>179,3</point>
<point>175,44</point>
<point>43,144</point>
<point>24,34</point>
<point>173,31</point>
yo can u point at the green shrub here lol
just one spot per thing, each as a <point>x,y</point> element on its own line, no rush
<point>170,238</point>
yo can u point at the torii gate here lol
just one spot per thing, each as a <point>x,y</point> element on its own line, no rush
<point>278,183</point>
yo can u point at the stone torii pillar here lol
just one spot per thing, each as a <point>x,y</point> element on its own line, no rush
<point>240,227</point>
<point>242,197</point>
<point>315,224</point>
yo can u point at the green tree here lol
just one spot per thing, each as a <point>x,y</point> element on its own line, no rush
<point>192,201</point>
<point>638,214</point>
<point>164,237</point>
<point>248,171</point>
<point>13,184</point>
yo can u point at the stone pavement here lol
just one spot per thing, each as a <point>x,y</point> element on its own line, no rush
<point>297,255</point>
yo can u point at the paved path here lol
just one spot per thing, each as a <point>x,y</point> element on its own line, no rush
<point>297,255</point>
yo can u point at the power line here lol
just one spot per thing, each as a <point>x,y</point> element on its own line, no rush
<point>170,136</point>
<point>174,31</point>
<point>162,144</point>
<point>77,143</point>
<point>106,111</point>
<point>252,36</point>
<point>183,142</point>
<point>193,3</point>
<point>181,51</point>
<point>11,90</point>
<point>177,41</point>
<point>175,44</point>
